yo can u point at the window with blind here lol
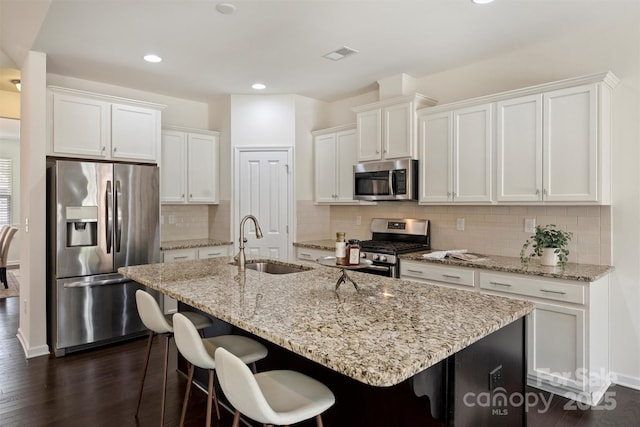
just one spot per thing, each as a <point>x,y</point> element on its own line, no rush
<point>5,191</point>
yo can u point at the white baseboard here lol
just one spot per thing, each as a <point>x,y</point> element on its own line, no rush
<point>31,352</point>
<point>626,380</point>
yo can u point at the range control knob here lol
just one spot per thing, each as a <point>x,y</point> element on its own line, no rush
<point>383,258</point>
<point>376,257</point>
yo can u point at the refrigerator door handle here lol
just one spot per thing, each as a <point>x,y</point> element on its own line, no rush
<point>88,284</point>
<point>109,219</point>
<point>118,216</point>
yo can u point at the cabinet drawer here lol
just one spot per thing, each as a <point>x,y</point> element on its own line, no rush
<point>213,252</point>
<point>546,289</point>
<point>179,255</point>
<point>458,276</point>
<point>312,254</point>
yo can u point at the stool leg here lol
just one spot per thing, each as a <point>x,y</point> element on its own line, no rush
<point>144,370</point>
<point>319,420</point>
<point>164,378</point>
<point>211,398</point>
<point>236,419</point>
<point>192,368</point>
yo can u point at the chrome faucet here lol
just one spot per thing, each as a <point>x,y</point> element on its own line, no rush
<point>242,260</point>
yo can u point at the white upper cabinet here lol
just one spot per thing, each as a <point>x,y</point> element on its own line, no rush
<point>552,145</point>
<point>80,126</point>
<point>190,166</point>
<point>472,154</point>
<point>436,157</point>
<point>387,129</point>
<point>88,125</point>
<point>570,145</point>
<point>519,149</point>
<point>135,132</point>
<point>334,155</point>
<point>555,146</point>
<point>369,124</point>
<point>456,155</point>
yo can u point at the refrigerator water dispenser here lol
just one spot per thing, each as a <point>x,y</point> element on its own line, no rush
<point>82,226</point>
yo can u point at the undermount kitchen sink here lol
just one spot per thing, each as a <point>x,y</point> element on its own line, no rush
<point>275,267</point>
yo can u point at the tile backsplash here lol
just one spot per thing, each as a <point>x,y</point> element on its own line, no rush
<point>183,222</point>
<point>491,230</point>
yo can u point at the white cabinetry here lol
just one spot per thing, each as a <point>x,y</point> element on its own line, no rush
<point>312,254</point>
<point>567,333</point>
<point>419,271</point>
<point>334,155</point>
<point>189,166</point>
<point>550,149</point>
<point>88,125</point>
<point>456,155</point>
<point>387,129</point>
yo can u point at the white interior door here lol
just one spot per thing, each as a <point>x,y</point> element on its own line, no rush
<point>263,188</point>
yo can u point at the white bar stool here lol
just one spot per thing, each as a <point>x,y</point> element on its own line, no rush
<point>279,397</point>
<point>200,352</point>
<point>160,324</point>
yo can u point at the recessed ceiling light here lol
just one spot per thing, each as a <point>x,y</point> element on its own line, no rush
<point>226,8</point>
<point>152,58</point>
<point>258,86</point>
<point>338,54</point>
<point>481,1</point>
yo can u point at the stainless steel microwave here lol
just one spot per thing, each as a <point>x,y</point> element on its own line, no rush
<point>386,180</point>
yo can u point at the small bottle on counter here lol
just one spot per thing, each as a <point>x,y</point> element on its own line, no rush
<point>341,249</point>
<point>353,252</point>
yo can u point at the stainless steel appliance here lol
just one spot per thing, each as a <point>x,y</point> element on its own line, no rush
<point>100,216</point>
<point>386,180</point>
<point>393,237</point>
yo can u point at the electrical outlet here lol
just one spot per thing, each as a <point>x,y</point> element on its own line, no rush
<point>530,225</point>
<point>495,378</point>
<point>358,220</point>
<point>460,224</point>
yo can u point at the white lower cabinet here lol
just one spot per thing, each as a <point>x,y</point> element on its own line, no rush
<point>306,254</point>
<point>567,333</point>
<point>176,255</point>
<point>420,271</point>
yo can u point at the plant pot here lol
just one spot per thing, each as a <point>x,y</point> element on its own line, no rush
<point>549,257</point>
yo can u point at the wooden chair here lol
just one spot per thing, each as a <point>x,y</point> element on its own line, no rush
<point>6,235</point>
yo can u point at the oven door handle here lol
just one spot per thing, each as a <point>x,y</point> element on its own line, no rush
<point>377,267</point>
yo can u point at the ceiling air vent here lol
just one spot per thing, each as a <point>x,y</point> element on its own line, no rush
<point>338,54</point>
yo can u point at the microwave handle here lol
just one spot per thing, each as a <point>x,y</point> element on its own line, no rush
<point>391,189</point>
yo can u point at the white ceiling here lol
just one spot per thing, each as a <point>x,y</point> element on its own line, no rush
<point>281,43</point>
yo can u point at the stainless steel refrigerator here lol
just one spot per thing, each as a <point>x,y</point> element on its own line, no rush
<point>100,216</point>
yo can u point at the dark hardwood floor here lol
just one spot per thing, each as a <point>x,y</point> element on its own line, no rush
<point>99,388</point>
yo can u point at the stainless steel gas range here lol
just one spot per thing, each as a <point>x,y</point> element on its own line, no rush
<point>391,238</point>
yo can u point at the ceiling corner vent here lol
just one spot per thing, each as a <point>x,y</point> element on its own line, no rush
<point>339,54</point>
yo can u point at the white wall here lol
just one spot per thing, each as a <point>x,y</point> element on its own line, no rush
<point>263,120</point>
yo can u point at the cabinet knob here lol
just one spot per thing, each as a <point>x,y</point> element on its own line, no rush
<point>537,191</point>
<point>377,151</point>
<point>191,195</point>
<point>114,149</point>
<point>544,191</point>
<point>182,196</point>
<point>104,148</point>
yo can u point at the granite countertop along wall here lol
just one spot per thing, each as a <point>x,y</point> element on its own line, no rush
<point>382,335</point>
<point>572,271</point>
<point>192,243</point>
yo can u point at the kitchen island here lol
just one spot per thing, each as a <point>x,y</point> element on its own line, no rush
<point>383,336</point>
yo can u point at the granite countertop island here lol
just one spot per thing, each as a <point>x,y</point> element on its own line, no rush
<point>382,335</point>
<point>572,271</point>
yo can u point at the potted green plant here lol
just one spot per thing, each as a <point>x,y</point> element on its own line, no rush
<point>550,244</point>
